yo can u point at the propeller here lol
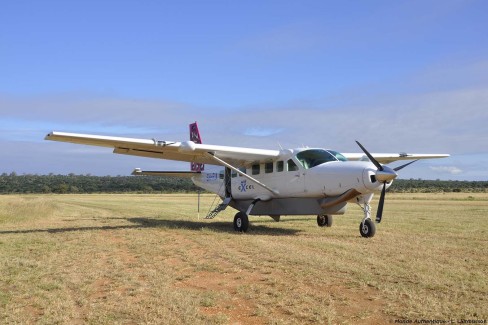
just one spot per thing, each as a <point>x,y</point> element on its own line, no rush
<point>384,174</point>
<point>402,166</point>
<point>374,161</point>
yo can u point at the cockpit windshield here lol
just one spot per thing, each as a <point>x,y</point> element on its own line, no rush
<point>314,157</point>
<point>338,155</point>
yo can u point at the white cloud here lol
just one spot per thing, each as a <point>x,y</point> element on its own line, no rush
<point>447,169</point>
<point>261,132</point>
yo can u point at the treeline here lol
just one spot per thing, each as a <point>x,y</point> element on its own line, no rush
<point>61,184</point>
<point>431,186</point>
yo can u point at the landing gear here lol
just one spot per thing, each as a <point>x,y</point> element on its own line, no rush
<point>367,228</point>
<point>241,219</point>
<point>324,220</point>
<point>241,222</point>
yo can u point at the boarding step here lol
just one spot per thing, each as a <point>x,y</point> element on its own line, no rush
<point>220,207</point>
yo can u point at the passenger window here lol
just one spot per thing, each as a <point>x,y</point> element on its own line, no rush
<point>243,170</point>
<point>221,175</point>
<point>292,166</point>
<point>234,174</point>
<point>268,167</point>
<point>280,166</point>
<point>255,169</point>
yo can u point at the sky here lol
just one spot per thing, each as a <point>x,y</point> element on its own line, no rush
<point>398,76</point>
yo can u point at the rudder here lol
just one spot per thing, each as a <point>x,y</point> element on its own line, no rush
<point>195,137</point>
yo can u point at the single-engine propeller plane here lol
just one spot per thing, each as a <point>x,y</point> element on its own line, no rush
<point>302,181</point>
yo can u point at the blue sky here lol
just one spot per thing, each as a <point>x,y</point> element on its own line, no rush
<point>396,75</point>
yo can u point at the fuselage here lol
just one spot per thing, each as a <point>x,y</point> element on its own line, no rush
<point>296,173</point>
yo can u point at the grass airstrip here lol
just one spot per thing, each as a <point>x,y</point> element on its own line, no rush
<point>148,259</point>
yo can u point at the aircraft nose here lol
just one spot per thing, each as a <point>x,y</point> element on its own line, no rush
<point>385,175</point>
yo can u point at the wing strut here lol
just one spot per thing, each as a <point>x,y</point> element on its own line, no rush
<point>241,173</point>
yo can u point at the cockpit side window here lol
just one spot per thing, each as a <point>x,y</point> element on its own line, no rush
<point>291,166</point>
<point>314,157</point>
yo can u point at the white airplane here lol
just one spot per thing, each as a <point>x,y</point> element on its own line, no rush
<point>302,181</point>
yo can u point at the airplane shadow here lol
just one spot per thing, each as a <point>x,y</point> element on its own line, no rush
<point>141,222</point>
<point>218,226</point>
<point>68,229</point>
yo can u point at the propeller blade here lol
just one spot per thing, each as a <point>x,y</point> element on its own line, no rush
<point>379,213</point>
<point>402,166</point>
<point>374,161</point>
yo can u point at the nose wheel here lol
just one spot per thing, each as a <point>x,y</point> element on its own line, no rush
<point>367,228</point>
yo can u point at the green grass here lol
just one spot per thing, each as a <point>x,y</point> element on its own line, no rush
<point>103,259</point>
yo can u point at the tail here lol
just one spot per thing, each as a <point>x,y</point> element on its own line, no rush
<point>195,137</point>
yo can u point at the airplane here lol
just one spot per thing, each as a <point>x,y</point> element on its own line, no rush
<point>301,181</point>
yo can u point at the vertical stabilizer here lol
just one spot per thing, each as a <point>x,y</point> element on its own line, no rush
<point>195,137</point>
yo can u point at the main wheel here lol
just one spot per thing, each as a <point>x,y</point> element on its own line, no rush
<point>241,222</point>
<point>367,228</point>
<point>324,220</point>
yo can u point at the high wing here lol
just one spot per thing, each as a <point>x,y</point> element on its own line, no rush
<point>386,158</point>
<point>181,151</point>
<point>199,153</point>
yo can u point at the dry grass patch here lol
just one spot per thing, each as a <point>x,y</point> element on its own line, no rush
<point>147,259</point>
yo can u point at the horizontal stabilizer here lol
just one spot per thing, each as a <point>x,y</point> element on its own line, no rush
<point>139,172</point>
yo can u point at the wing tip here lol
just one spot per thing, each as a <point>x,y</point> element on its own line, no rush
<point>49,135</point>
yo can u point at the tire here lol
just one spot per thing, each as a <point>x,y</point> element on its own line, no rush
<point>324,220</point>
<point>368,229</point>
<point>241,222</point>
